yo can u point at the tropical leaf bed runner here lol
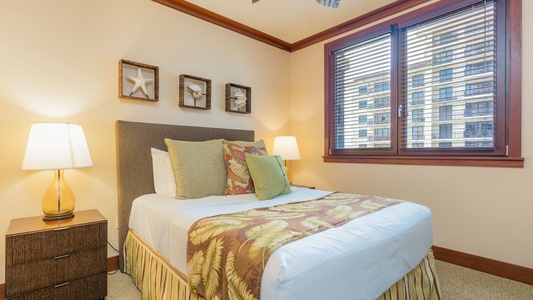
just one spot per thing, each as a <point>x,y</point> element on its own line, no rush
<point>226,254</point>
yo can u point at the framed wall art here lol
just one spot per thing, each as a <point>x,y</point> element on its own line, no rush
<point>238,98</point>
<point>138,81</point>
<point>195,92</point>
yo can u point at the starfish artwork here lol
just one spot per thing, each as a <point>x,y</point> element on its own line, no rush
<point>139,82</point>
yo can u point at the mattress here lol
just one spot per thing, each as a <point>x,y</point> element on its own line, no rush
<point>359,260</point>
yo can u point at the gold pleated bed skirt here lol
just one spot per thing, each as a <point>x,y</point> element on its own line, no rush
<point>155,277</point>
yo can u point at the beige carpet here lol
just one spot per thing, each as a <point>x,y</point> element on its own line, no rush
<point>457,283</point>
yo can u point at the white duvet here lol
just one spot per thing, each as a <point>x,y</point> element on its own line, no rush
<point>359,260</point>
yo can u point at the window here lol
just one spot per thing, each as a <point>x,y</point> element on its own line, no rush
<point>417,81</point>
<point>417,98</point>
<point>363,104</point>
<point>445,75</point>
<point>473,49</point>
<point>443,57</point>
<point>444,38</point>
<point>445,131</point>
<point>478,68</point>
<point>445,113</point>
<point>382,102</point>
<point>445,94</point>
<point>478,129</point>
<point>382,86</point>
<point>382,135</point>
<point>458,58</point>
<point>417,115</point>
<point>478,88</point>
<point>382,118</point>
<point>476,109</point>
<point>418,132</point>
<point>362,132</point>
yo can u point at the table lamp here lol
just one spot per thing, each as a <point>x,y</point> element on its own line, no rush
<point>287,148</point>
<point>57,146</point>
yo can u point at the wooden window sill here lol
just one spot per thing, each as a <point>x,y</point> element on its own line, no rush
<point>500,162</point>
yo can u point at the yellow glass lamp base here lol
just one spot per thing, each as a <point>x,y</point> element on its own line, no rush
<point>58,201</point>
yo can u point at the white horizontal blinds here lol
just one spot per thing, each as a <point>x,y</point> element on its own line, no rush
<point>449,80</point>
<point>362,114</point>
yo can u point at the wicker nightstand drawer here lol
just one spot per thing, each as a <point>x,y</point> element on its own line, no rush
<point>46,257</point>
<point>87,288</point>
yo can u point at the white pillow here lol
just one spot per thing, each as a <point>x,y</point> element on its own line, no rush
<point>164,180</point>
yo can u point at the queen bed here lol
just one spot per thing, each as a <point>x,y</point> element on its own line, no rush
<point>382,254</point>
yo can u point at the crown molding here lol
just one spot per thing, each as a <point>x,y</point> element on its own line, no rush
<point>209,16</point>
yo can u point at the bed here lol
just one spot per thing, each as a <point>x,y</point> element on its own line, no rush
<point>398,262</point>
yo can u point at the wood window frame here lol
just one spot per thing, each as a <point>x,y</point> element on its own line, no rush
<point>513,84</point>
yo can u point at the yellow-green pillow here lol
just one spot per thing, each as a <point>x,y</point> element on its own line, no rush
<point>269,176</point>
<point>198,168</point>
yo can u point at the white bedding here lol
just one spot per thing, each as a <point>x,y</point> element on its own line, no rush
<point>359,260</point>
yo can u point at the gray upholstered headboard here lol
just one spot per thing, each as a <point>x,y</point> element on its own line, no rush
<point>134,160</point>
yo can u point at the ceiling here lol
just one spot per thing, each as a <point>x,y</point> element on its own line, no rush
<point>288,20</point>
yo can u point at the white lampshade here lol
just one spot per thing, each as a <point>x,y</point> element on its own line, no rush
<point>286,147</point>
<point>56,146</point>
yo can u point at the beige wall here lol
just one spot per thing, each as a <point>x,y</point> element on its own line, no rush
<point>482,211</point>
<point>59,62</point>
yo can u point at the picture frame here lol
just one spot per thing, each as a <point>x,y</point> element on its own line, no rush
<point>194,92</point>
<point>238,98</point>
<point>138,81</point>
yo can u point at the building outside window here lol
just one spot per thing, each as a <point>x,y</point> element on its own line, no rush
<point>417,98</point>
<point>478,129</point>
<point>443,57</point>
<point>417,81</point>
<point>445,131</point>
<point>476,109</point>
<point>478,68</point>
<point>445,113</point>
<point>417,115</point>
<point>382,102</point>
<point>479,88</point>
<point>382,86</point>
<point>445,75</point>
<point>418,132</point>
<point>445,94</point>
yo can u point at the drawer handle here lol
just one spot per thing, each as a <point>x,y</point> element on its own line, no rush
<point>61,284</point>
<point>61,228</point>
<point>62,256</point>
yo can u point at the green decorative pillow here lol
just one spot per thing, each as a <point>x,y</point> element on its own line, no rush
<point>238,179</point>
<point>198,168</point>
<point>269,176</point>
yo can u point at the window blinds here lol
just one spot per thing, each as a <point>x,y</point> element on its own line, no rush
<point>448,80</point>
<point>362,94</point>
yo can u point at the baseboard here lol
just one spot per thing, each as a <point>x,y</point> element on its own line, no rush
<point>478,263</point>
<point>112,265</point>
<point>485,265</point>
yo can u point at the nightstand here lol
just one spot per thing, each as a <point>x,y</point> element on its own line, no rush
<point>63,259</point>
<point>303,186</point>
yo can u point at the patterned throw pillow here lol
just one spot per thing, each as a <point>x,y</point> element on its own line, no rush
<point>238,179</point>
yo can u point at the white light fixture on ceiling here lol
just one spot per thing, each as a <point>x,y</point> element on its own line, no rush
<point>326,3</point>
